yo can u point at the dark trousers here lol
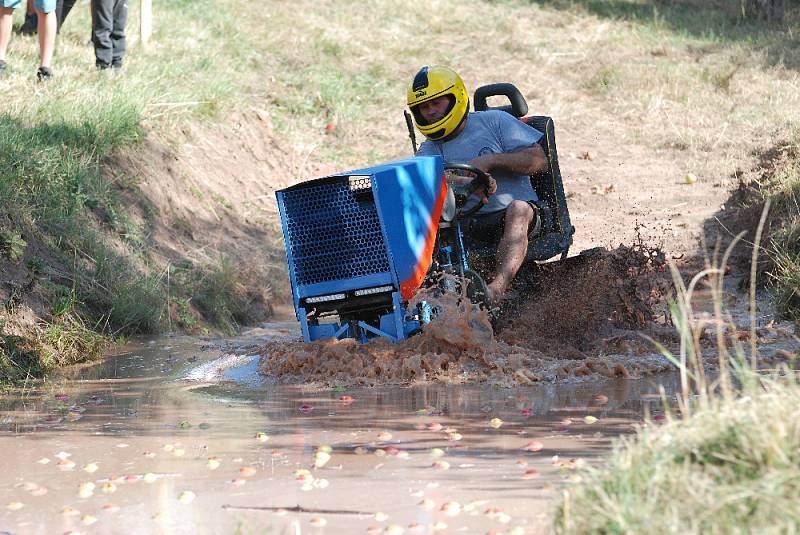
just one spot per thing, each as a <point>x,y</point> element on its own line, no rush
<point>63,7</point>
<point>108,31</point>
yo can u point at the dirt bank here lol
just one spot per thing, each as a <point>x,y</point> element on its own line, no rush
<point>194,197</point>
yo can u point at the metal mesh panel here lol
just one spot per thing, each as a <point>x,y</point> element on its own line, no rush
<point>334,231</point>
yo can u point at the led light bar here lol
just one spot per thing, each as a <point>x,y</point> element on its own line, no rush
<point>324,298</point>
<point>376,290</point>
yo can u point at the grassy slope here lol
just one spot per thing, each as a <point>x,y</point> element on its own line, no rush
<point>783,190</point>
<point>672,76</point>
<point>731,468</point>
<point>88,257</point>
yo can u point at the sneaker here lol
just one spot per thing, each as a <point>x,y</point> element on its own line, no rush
<point>44,74</point>
<point>116,64</point>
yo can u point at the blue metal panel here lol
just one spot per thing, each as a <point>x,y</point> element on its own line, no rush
<point>321,332</point>
<point>289,258</point>
<point>406,193</point>
<point>359,230</point>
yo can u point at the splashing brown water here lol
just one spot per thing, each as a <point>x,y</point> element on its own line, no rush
<point>562,327</point>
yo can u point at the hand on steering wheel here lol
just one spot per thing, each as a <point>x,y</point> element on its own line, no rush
<point>483,185</point>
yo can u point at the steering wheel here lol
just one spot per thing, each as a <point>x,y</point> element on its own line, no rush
<point>463,191</point>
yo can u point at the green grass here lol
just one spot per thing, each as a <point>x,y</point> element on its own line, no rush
<point>220,293</point>
<point>64,341</point>
<point>727,460</point>
<point>784,249</point>
<point>12,246</point>
<point>733,467</point>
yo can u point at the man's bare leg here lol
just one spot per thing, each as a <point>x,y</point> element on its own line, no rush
<point>47,37</point>
<point>512,249</point>
<point>6,19</point>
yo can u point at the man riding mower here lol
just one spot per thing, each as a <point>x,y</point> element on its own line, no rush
<point>497,144</point>
<point>361,244</point>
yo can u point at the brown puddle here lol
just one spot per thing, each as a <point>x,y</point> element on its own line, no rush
<point>129,447</point>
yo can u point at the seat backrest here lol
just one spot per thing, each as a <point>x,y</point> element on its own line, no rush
<point>517,107</point>
<point>548,184</point>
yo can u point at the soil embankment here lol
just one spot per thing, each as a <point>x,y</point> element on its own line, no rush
<point>199,224</point>
<point>639,103</point>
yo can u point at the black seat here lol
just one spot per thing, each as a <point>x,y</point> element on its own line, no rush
<point>555,236</point>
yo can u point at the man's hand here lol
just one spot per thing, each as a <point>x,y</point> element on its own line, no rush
<point>490,190</point>
<point>453,177</point>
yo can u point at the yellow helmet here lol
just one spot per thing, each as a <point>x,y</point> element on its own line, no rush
<point>431,83</point>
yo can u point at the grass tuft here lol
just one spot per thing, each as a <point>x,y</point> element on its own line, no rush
<point>221,295</point>
<point>734,467</point>
<point>784,251</point>
<point>64,341</point>
<point>729,464</point>
<point>12,246</point>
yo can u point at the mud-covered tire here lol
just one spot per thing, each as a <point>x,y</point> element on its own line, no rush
<point>476,288</point>
<point>593,252</point>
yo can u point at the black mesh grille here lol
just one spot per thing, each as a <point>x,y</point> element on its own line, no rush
<point>334,231</point>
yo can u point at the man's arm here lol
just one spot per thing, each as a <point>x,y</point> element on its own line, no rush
<point>525,161</point>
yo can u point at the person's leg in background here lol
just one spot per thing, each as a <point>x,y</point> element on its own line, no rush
<point>102,23</point>
<point>31,22</point>
<point>118,33</point>
<point>63,8</point>
<point>46,13</point>
<point>6,21</point>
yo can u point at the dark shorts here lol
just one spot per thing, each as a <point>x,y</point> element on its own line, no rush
<point>488,229</point>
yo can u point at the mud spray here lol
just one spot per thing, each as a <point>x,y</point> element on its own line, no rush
<point>571,319</point>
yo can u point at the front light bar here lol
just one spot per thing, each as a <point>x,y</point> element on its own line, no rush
<point>376,290</point>
<point>325,298</point>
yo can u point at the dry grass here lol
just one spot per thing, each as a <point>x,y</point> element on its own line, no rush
<point>709,96</point>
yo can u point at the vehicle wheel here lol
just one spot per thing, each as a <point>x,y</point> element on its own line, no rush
<point>476,287</point>
<point>593,252</point>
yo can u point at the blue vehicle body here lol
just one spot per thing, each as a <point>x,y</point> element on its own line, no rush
<point>359,245</point>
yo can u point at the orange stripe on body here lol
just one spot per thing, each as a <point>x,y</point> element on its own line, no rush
<point>410,286</point>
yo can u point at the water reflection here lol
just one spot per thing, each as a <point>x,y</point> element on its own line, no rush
<point>405,452</point>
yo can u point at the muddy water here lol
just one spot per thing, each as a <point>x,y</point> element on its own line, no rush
<point>133,446</point>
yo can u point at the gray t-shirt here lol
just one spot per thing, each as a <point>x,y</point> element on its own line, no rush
<point>490,132</point>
